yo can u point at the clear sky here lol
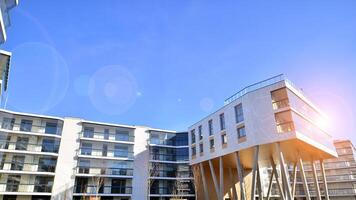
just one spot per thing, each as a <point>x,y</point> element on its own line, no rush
<point>167,64</point>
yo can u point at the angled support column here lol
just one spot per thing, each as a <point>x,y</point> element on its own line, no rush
<point>240,173</point>
<point>205,187</point>
<point>280,188</point>
<point>234,192</point>
<point>270,183</point>
<point>294,179</point>
<point>326,191</point>
<point>304,179</point>
<point>316,182</point>
<point>254,169</point>
<point>215,181</point>
<point>259,183</point>
<point>221,182</point>
<point>285,181</point>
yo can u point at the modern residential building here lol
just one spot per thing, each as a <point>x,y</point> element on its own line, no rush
<point>45,157</point>
<point>5,7</point>
<point>270,124</point>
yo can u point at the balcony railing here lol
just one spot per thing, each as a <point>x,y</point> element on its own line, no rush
<point>21,146</point>
<point>171,191</point>
<point>31,128</point>
<point>168,157</point>
<point>27,167</point>
<point>171,173</point>
<point>10,187</point>
<point>108,153</point>
<point>105,171</point>
<point>107,136</point>
<point>94,189</point>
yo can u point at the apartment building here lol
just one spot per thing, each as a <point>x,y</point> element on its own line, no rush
<point>45,157</point>
<point>267,125</point>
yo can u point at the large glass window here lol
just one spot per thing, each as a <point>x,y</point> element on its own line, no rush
<point>241,132</point>
<point>26,125</point>
<point>43,184</point>
<point>106,134</point>
<point>121,135</point>
<point>46,164</point>
<point>50,145</point>
<point>239,115</point>
<point>194,151</point>
<point>192,133</point>
<point>84,166</point>
<point>13,182</point>
<point>200,132</point>
<point>222,121</point>
<point>121,151</point>
<point>224,138</point>
<point>210,124</point>
<point>212,143</point>
<point>201,148</point>
<point>8,123</point>
<point>17,162</point>
<point>86,149</point>
<point>51,128</point>
<point>88,132</point>
<point>21,143</point>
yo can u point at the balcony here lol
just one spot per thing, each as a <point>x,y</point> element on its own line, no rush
<point>28,167</point>
<point>104,171</point>
<point>101,190</point>
<point>25,188</point>
<point>46,129</point>
<point>105,154</point>
<point>169,157</point>
<point>284,103</point>
<point>107,137</point>
<point>28,147</point>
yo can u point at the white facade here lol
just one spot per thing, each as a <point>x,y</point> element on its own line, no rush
<point>55,158</point>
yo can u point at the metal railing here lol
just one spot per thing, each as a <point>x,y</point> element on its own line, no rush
<point>109,153</point>
<point>31,128</point>
<point>13,187</point>
<point>27,167</point>
<point>23,146</point>
<point>94,189</point>
<point>107,136</point>
<point>104,171</point>
<point>168,157</point>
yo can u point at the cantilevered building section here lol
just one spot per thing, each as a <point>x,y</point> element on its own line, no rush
<point>270,124</point>
<point>43,157</point>
<point>5,7</point>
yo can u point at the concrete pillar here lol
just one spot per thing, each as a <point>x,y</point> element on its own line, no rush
<point>316,182</point>
<point>322,169</point>
<point>240,173</point>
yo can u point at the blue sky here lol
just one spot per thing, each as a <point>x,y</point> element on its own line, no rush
<point>167,64</point>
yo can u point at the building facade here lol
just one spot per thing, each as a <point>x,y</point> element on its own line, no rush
<point>267,125</point>
<point>45,157</point>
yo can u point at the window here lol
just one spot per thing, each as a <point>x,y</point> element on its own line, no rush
<point>86,149</point>
<point>210,124</point>
<point>194,151</point>
<point>224,139</point>
<point>21,143</point>
<point>106,134</point>
<point>88,132</point>
<point>84,166</point>
<point>43,184</point>
<point>51,128</point>
<point>241,132</point>
<point>13,182</point>
<point>105,150</point>
<point>239,115</point>
<point>17,162</point>
<point>192,132</point>
<point>222,121</point>
<point>201,148</point>
<point>122,135</point>
<point>26,125</point>
<point>50,145</point>
<point>121,151</point>
<point>212,143</point>
<point>8,123</point>
<point>200,132</point>
<point>47,164</point>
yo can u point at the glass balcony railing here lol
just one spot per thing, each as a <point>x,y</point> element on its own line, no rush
<point>50,130</point>
<point>27,167</point>
<point>171,173</point>
<point>108,153</point>
<point>13,187</point>
<point>168,157</point>
<point>171,191</point>
<point>107,136</point>
<point>104,171</point>
<point>29,147</point>
<point>94,189</point>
